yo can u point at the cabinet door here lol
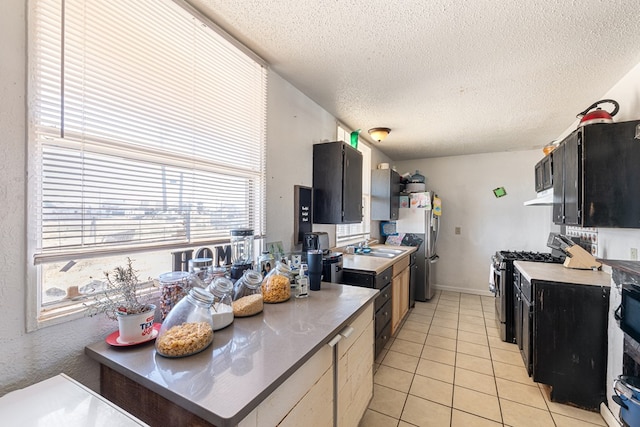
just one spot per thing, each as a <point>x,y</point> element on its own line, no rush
<point>355,371</point>
<point>396,295</point>
<point>570,341</point>
<point>572,183</point>
<point>404,292</point>
<point>385,194</point>
<point>558,185</point>
<point>337,183</point>
<point>352,186</point>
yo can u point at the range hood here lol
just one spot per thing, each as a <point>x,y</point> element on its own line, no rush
<point>544,198</point>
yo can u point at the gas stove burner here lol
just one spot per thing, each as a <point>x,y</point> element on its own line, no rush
<point>530,256</point>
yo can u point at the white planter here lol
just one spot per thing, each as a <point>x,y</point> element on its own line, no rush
<point>135,328</point>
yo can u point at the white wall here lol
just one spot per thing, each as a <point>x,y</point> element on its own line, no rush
<point>487,224</point>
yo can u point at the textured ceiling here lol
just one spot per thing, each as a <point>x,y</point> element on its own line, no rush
<point>448,77</point>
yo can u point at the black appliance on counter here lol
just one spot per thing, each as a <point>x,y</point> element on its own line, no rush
<point>502,286</point>
<point>332,267</point>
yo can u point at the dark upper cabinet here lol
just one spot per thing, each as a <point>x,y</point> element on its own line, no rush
<point>596,175</point>
<point>544,173</point>
<point>385,194</point>
<point>337,183</point>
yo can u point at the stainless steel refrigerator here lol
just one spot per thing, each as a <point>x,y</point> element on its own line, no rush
<point>425,225</point>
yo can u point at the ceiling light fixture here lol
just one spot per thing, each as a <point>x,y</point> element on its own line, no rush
<point>379,134</point>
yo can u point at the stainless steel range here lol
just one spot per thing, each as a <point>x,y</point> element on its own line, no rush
<point>501,284</point>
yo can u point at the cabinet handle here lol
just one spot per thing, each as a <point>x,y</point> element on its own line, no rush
<point>386,313</point>
<point>386,295</point>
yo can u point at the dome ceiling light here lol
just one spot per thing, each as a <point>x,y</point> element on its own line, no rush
<point>379,134</point>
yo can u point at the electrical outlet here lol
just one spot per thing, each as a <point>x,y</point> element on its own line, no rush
<point>457,230</point>
<point>634,254</point>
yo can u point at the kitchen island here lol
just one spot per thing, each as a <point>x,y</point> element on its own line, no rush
<point>256,368</point>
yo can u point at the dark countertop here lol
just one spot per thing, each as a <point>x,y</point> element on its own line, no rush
<point>247,361</point>
<point>631,267</point>
<point>559,273</point>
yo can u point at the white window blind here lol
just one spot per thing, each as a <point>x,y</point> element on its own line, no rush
<point>147,132</point>
<point>148,129</point>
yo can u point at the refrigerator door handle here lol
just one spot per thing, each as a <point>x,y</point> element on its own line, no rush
<point>434,259</point>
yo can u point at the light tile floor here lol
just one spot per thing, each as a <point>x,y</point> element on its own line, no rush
<point>447,366</point>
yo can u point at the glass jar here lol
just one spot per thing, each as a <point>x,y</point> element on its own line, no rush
<point>202,271</point>
<point>188,329</point>
<point>267,261</point>
<point>173,287</point>
<point>219,272</point>
<point>276,286</point>
<point>222,309</point>
<point>247,297</point>
<point>242,246</point>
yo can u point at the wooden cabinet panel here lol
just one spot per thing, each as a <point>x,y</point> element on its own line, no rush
<point>314,378</point>
<point>399,297</point>
<point>355,370</point>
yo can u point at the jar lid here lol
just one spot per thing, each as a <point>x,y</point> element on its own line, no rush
<point>202,296</point>
<point>173,277</point>
<point>221,285</point>
<point>201,262</point>
<point>242,232</point>
<point>252,278</point>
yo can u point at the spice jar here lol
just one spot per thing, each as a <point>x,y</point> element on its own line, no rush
<point>276,286</point>
<point>188,329</point>
<point>222,309</point>
<point>248,294</point>
<point>173,287</point>
<point>202,270</point>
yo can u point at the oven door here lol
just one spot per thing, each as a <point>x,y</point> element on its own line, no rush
<point>629,310</point>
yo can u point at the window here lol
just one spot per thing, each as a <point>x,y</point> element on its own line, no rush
<point>147,134</point>
<point>346,233</point>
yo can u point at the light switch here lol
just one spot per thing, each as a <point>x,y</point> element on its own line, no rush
<point>457,230</point>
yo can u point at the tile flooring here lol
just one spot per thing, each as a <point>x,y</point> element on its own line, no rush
<point>446,366</point>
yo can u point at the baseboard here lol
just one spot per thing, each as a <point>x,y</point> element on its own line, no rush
<point>486,293</point>
<point>608,417</point>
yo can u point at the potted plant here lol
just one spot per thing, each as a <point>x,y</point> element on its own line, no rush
<point>120,300</point>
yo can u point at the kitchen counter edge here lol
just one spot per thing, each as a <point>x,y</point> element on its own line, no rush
<point>130,361</point>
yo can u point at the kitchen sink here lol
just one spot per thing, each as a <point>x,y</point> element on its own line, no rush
<point>382,253</point>
<point>388,250</point>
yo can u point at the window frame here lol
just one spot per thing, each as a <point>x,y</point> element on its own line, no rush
<point>39,316</point>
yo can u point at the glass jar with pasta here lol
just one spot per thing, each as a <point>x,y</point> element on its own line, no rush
<point>188,329</point>
<point>276,286</point>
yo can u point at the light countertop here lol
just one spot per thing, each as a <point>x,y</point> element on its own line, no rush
<point>247,360</point>
<point>372,263</point>
<point>61,401</point>
<point>559,273</point>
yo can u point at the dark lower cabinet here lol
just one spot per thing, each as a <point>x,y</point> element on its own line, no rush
<point>569,342</point>
<point>382,303</point>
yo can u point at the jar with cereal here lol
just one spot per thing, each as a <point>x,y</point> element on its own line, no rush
<point>276,286</point>
<point>188,329</point>
<point>247,298</point>
<point>173,287</point>
<point>221,310</point>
